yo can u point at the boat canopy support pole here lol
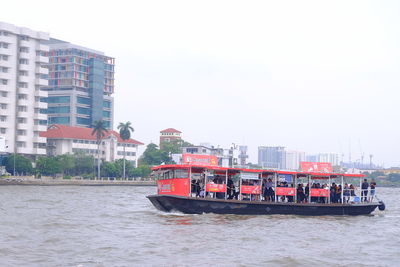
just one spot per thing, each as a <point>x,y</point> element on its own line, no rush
<point>276,185</point>
<point>309,188</point>
<point>190,181</point>
<point>226,184</point>
<point>341,193</point>
<point>329,188</point>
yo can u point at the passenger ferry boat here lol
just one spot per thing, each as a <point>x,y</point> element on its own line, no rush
<point>200,188</point>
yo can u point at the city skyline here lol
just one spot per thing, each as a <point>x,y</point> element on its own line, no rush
<point>305,80</point>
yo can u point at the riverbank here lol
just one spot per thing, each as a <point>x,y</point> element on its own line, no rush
<point>81,182</point>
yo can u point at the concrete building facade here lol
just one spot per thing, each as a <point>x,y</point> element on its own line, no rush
<point>22,74</point>
<point>81,84</point>
<point>272,157</point>
<point>63,139</point>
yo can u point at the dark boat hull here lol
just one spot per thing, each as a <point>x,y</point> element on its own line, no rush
<point>191,205</point>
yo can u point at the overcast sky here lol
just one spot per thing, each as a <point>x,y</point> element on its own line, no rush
<point>315,76</point>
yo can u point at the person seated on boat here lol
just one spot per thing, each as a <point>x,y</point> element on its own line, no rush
<point>352,191</point>
<point>300,193</point>
<point>346,193</point>
<point>372,191</point>
<point>364,190</point>
<point>202,193</point>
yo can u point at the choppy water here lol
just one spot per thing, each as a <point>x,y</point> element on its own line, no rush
<point>118,226</point>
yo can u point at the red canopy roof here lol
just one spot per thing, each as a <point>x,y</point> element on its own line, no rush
<point>170,130</point>
<point>319,175</point>
<point>59,131</point>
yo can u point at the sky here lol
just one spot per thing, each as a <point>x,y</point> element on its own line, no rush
<point>313,76</point>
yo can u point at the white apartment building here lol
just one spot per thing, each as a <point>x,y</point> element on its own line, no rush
<point>63,139</point>
<point>293,159</point>
<point>21,76</point>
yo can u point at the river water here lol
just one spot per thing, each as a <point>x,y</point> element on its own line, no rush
<point>117,226</point>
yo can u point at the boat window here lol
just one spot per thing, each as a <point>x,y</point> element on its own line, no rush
<point>181,173</point>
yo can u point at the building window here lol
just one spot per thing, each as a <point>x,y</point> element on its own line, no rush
<point>3,45</point>
<point>4,57</point>
<point>107,104</point>
<point>24,37</point>
<point>58,99</point>
<point>22,108</point>
<point>106,114</point>
<point>23,73</point>
<point>83,121</point>
<point>60,120</point>
<point>22,85</point>
<point>3,118</point>
<point>35,133</point>
<point>81,110</point>
<point>21,120</point>
<point>4,69</point>
<point>3,81</point>
<point>4,33</point>
<point>21,144</point>
<point>62,109</point>
<point>83,100</point>
<point>24,49</point>
<point>3,93</point>
<point>21,132</point>
<point>3,130</point>
<point>3,106</point>
<point>23,61</point>
<point>22,96</point>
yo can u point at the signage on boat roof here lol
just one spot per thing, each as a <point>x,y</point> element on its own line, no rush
<point>285,178</point>
<point>249,175</point>
<point>316,167</point>
<point>196,159</point>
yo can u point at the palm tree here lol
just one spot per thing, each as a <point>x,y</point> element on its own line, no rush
<point>125,130</point>
<point>99,130</point>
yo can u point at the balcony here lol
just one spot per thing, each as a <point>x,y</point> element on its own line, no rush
<point>22,126</point>
<point>7,76</point>
<point>44,48</point>
<point>6,39</point>
<point>42,59</point>
<point>25,79</point>
<point>24,43</point>
<point>40,128</point>
<point>40,116</point>
<point>23,114</point>
<point>4,124</point>
<point>41,104</point>
<point>22,138</point>
<point>23,90</point>
<point>5,51</point>
<point>39,151</point>
<point>38,139</point>
<point>41,93</point>
<point>40,70</point>
<point>41,82</point>
<point>24,102</point>
<point>24,67</point>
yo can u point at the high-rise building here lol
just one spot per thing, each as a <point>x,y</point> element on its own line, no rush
<point>81,84</point>
<point>293,159</point>
<point>272,157</point>
<point>243,155</point>
<point>22,73</point>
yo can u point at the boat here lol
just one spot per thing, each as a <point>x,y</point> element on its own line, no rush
<point>199,188</point>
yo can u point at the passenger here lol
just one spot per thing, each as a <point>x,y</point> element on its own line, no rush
<point>333,193</point>
<point>346,193</point>
<point>307,193</point>
<point>352,191</point>
<point>268,191</point>
<point>300,193</point>
<point>372,192</point>
<point>230,188</point>
<point>364,191</point>
<point>338,194</point>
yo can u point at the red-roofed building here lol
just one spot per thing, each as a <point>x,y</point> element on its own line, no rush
<point>63,139</point>
<point>169,135</point>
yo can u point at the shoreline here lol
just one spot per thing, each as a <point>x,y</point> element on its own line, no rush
<point>59,182</point>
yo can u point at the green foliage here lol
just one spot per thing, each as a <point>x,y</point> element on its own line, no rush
<point>23,165</point>
<point>125,130</point>
<point>99,130</point>
<point>394,177</point>
<point>175,146</point>
<point>48,166</point>
<point>141,171</point>
<point>84,164</point>
<point>154,156</point>
<point>109,169</point>
<point>67,163</point>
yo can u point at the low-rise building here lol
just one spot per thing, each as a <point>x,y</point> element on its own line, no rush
<point>63,139</point>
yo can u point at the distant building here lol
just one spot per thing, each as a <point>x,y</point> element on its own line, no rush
<point>169,135</point>
<point>332,158</point>
<point>81,84</point>
<point>63,139</point>
<point>243,155</point>
<point>272,157</point>
<point>22,73</point>
<point>293,159</point>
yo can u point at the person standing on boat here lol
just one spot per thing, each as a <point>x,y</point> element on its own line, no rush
<point>231,188</point>
<point>346,193</point>
<point>372,192</point>
<point>364,191</point>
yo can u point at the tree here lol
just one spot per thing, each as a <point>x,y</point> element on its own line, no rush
<point>99,130</point>
<point>22,164</point>
<point>67,163</point>
<point>125,130</point>
<point>109,169</point>
<point>48,166</point>
<point>175,146</point>
<point>154,156</point>
<point>141,171</point>
<point>84,164</point>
